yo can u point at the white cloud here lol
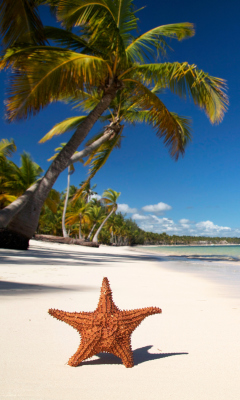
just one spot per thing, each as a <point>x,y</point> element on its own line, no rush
<point>148,219</point>
<point>95,196</point>
<point>208,226</point>
<point>157,208</point>
<point>139,217</point>
<point>151,223</point>
<point>184,221</point>
<point>124,208</point>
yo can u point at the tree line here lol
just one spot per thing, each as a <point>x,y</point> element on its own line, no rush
<point>77,212</point>
<point>72,213</point>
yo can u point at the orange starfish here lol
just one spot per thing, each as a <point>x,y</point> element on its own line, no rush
<point>107,329</point>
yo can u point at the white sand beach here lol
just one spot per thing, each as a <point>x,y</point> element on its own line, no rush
<point>189,352</point>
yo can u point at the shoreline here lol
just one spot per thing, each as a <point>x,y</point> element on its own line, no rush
<point>190,257</point>
<point>191,350</point>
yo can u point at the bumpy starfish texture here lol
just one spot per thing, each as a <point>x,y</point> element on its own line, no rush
<point>107,329</point>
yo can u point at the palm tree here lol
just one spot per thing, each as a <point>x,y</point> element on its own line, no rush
<point>78,214</point>
<point>7,147</point>
<point>88,191</point>
<point>18,179</point>
<point>96,215</point>
<point>122,112</point>
<point>104,57</point>
<point>14,180</point>
<point>50,222</point>
<point>71,170</point>
<point>110,198</point>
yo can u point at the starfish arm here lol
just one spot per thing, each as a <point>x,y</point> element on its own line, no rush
<point>106,303</point>
<point>76,320</point>
<point>122,349</point>
<point>132,318</point>
<point>88,348</point>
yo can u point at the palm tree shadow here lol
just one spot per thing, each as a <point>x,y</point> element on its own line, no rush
<point>140,356</point>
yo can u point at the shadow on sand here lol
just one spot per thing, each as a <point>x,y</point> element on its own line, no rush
<point>41,256</point>
<point>17,289</point>
<point>140,356</point>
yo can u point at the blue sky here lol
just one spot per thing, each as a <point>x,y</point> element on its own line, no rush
<point>197,195</point>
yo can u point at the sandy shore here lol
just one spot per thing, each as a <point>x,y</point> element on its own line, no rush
<point>189,352</point>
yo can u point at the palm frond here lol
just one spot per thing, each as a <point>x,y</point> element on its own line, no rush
<point>165,123</point>
<point>135,116</point>
<point>153,40</point>
<point>86,101</point>
<point>35,84</point>
<point>109,22</point>
<point>111,196</point>
<point>7,197</point>
<point>30,170</point>
<point>67,39</point>
<point>7,147</point>
<point>81,12</point>
<point>57,151</point>
<point>53,200</point>
<point>96,160</point>
<point>62,127</point>
<point>20,22</point>
<point>126,20</point>
<point>207,92</point>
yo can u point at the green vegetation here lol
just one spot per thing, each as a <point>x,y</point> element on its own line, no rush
<point>87,217</point>
<point>95,60</point>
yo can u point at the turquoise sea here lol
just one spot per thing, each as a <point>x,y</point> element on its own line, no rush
<point>219,264</point>
<point>211,253</point>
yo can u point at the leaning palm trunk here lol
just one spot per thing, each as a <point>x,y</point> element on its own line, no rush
<point>95,238</point>
<point>24,223</point>
<point>7,214</point>
<point>112,239</point>
<point>80,227</point>
<point>64,231</point>
<point>90,233</point>
<point>12,209</point>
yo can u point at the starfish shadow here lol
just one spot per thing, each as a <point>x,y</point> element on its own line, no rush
<point>140,356</point>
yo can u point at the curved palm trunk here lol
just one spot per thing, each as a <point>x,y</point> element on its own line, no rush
<point>7,213</point>
<point>24,223</point>
<point>80,227</point>
<point>95,238</point>
<point>88,238</point>
<point>64,231</point>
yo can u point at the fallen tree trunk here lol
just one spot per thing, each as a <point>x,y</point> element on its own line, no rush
<point>64,240</point>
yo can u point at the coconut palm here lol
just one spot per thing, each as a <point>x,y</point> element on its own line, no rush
<point>88,191</point>
<point>50,222</point>
<point>122,112</point>
<point>106,57</point>
<point>96,215</point>
<point>78,215</point>
<point>71,170</point>
<point>7,147</point>
<point>110,199</point>
<point>14,180</point>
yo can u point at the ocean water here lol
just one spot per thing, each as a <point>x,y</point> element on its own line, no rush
<point>211,253</point>
<point>219,264</point>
